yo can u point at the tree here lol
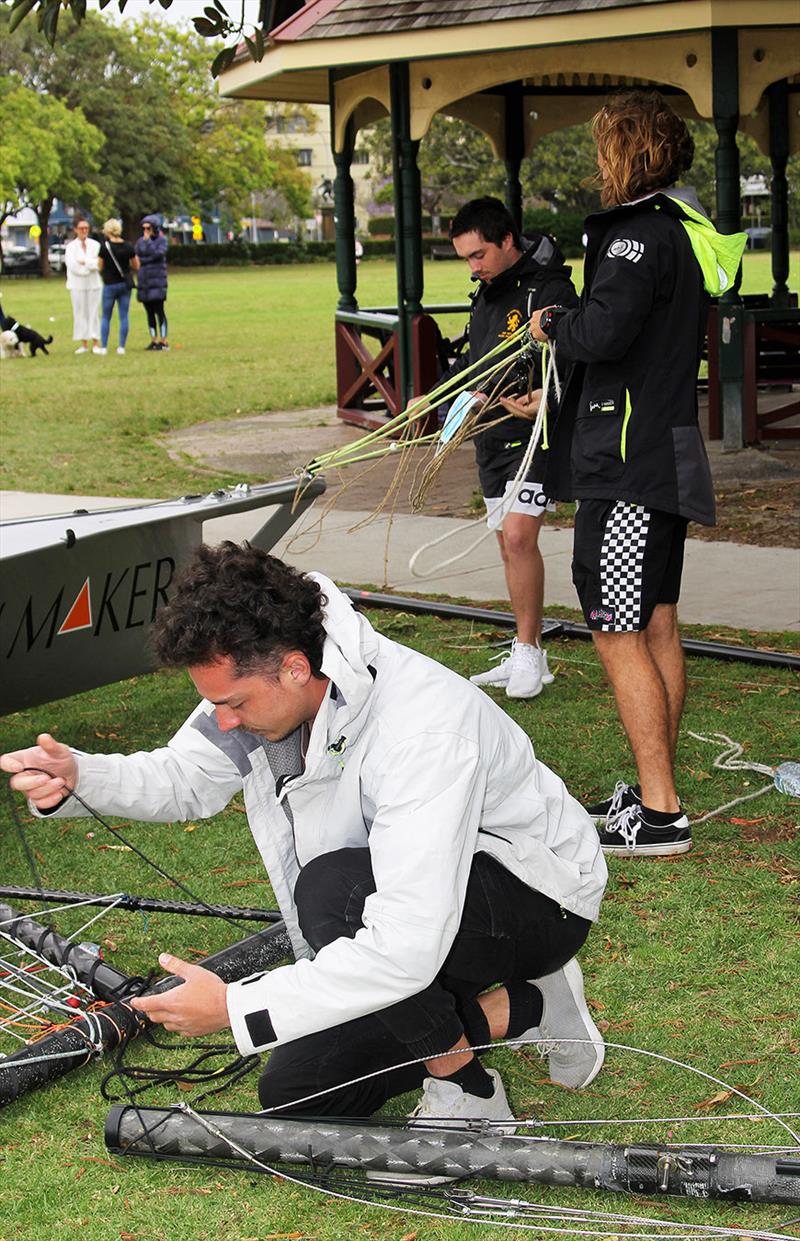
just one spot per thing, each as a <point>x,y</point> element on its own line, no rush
<point>48,151</point>
<point>211,21</point>
<point>169,141</point>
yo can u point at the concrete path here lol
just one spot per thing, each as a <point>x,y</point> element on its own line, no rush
<point>724,583</point>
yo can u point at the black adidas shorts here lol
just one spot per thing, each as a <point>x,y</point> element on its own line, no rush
<point>625,560</point>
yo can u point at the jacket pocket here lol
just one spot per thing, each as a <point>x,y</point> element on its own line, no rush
<point>601,431</point>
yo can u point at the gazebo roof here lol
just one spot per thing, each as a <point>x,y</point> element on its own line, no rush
<point>463,55</point>
<point>326,19</point>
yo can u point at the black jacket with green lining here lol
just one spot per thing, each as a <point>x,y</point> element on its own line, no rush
<point>627,424</point>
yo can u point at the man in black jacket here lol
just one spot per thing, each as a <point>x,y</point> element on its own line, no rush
<point>516,275</point>
<point>627,445</point>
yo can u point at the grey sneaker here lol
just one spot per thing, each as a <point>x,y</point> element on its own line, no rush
<point>565,1017</point>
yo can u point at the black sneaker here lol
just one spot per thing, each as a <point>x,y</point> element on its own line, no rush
<point>624,795</point>
<point>628,834</point>
<point>153,347</point>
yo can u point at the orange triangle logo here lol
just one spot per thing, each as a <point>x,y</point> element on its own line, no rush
<point>80,614</point>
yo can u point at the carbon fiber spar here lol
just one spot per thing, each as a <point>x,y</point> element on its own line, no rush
<point>689,1172</point>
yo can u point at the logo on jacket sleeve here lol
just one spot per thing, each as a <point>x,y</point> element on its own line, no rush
<point>625,249</point>
<point>513,324</point>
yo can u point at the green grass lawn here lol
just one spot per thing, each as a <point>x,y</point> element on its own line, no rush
<point>244,341</point>
<point>695,957</point>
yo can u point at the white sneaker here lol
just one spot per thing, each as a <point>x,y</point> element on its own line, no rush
<point>500,673</point>
<point>99,349</point>
<point>82,349</point>
<point>444,1105</point>
<point>547,676</point>
<point>527,670</point>
<point>565,1016</point>
<point>120,350</point>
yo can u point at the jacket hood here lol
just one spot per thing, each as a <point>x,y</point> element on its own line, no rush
<point>154,221</point>
<point>351,646</point>
<point>718,254</point>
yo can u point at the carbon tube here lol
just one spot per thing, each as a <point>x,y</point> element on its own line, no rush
<point>652,1170</point>
<point>57,1054</point>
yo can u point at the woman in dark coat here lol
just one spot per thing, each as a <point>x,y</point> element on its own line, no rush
<point>151,250</point>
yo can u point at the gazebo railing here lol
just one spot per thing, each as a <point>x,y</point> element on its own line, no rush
<point>371,385</point>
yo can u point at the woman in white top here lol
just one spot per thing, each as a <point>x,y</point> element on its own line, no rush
<point>85,287</point>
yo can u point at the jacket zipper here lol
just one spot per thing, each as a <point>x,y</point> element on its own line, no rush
<point>623,439</point>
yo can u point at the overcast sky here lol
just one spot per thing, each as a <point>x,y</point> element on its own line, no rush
<point>180,11</point>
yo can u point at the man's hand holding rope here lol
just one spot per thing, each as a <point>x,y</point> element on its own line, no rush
<point>56,774</point>
<point>197,1006</point>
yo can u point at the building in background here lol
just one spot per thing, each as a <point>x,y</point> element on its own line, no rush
<point>308,134</point>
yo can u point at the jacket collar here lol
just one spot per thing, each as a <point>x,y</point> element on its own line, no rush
<point>348,659</point>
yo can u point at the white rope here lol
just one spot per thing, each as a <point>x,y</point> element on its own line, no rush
<point>550,379</point>
<point>730,759</point>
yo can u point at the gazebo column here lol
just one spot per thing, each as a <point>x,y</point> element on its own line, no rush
<point>778,95</point>
<point>408,218</point>
<point>514,149</point>
<point>725,86</point>
<point>345,220</point>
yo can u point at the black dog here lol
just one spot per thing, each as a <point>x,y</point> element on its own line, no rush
<point>25,335</point>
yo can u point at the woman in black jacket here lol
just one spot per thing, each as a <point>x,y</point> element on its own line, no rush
<point>627,443</point>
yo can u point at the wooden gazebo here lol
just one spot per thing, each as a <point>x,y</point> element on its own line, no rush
<point>518,69</point>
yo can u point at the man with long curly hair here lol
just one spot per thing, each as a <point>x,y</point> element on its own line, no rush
<point>627,444</point>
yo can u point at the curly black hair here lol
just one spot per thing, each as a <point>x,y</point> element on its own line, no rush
<point>239,602</point>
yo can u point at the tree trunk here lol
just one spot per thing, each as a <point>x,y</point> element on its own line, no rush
<point>43,210</point>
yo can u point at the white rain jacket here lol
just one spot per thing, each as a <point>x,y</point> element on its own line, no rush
<point>406,758</point>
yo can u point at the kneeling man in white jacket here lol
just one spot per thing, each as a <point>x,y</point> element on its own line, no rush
<point>435,878</point>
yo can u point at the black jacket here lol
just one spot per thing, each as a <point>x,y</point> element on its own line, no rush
<point>539,278</point>
<point>627,424</point>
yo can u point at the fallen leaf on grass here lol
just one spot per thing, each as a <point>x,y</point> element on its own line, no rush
<point>116,848</point>
<point>721,1096</point>
<point>729,1064</point>
<point>597,1005</point>
<point>747,822</point>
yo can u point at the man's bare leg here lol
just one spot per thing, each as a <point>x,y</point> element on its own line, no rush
<point>664,644</point>
<point>524,570</point>
<point>645,707</point>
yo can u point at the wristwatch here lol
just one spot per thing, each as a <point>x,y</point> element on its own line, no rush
<point>550,317</point>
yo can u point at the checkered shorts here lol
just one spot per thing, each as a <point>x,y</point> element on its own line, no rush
<point>626,560</point>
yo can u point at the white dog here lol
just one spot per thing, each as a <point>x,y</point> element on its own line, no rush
<point>10,345</point>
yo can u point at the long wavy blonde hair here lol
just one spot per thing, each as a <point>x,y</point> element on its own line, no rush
<point>643,144</point>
